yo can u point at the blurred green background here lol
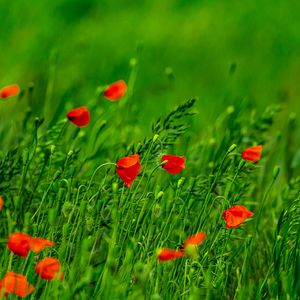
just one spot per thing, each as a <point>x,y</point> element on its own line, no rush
<point>222,52</point>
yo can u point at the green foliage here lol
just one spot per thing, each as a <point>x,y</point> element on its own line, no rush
<point>107,235</point>
<point>59,182</point>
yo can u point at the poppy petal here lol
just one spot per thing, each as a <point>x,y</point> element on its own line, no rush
<point>195,239</point>
<point>115,91</point>
<point>38,244</point>
<point>79,116</point>
<point>253,153</point>
<point>175,164</point>
<point>169,254</point>
<point>9,91</point>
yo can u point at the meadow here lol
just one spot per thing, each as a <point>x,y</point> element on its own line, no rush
<point>205,81</point>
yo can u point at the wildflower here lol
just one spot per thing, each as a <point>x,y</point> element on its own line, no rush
<point>169,254</point>
<point>17,284</point>
<point>194,240</point>
<point>175,164</point>
<point>236,215</point>
<point>49,268</point>
<point>115,91</point>
<point>9,91</point>
<point>79,116</point>
<point>128,168</point>
<point>20,243</point>
<point>1,202</point>
<point>252,153</point>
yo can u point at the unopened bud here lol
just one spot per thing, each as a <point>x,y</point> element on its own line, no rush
<point>232,148</point>
<point>276,171</point>
<point>180,182</point>
<point>156,136</point>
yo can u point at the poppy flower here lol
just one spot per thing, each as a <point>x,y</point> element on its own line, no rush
<point>9,91</point>
<point>236,215</point>
<point>79,116</point>
<point>252,153</point>
<point>194,240</point>
<point>115,90</point>
<point>49,268</point>
<point>175,164</point>
<point>17,284</point>
<point>128,168</point>
<point>169,254</point>
<point>20,243</point>
<point>1,202</point>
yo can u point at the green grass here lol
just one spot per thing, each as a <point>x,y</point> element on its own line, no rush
<point>239,61</point>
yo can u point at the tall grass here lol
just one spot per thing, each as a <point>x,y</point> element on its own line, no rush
<point>59,182</point>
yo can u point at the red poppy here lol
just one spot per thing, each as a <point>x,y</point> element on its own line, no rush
<point>20,243</point>
<point>195,239</point>
<point>175,164</point>
<point>128,168</point>
<point>17,284</point>
<point>1,202</point>
<point>169,254</point>
<point>79,116</point>
<point>9,91</point>
<point>252,153</point>
<point>115,91</point>
<point>49,268</point>
<point>236,215</point>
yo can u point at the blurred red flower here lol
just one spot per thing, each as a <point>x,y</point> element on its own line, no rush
<point>236,215</point>
<point>128,168</point>
<point>169,254</point>
<point>252,153</point>
<point>38,244</point>
<point>9,91</point>
<point>20,243</point>
<point>175,164</point>
<point>1,202</point>
<point>79,116</point>
<point>17,284</point>
<point>49,268</point>
<point>195,239</point>
<point>115,90</point>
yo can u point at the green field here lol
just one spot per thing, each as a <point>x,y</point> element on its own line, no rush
<point>206,80</point>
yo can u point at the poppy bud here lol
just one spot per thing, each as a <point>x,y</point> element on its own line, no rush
<point>231,148</point>
<point>276,172</point>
